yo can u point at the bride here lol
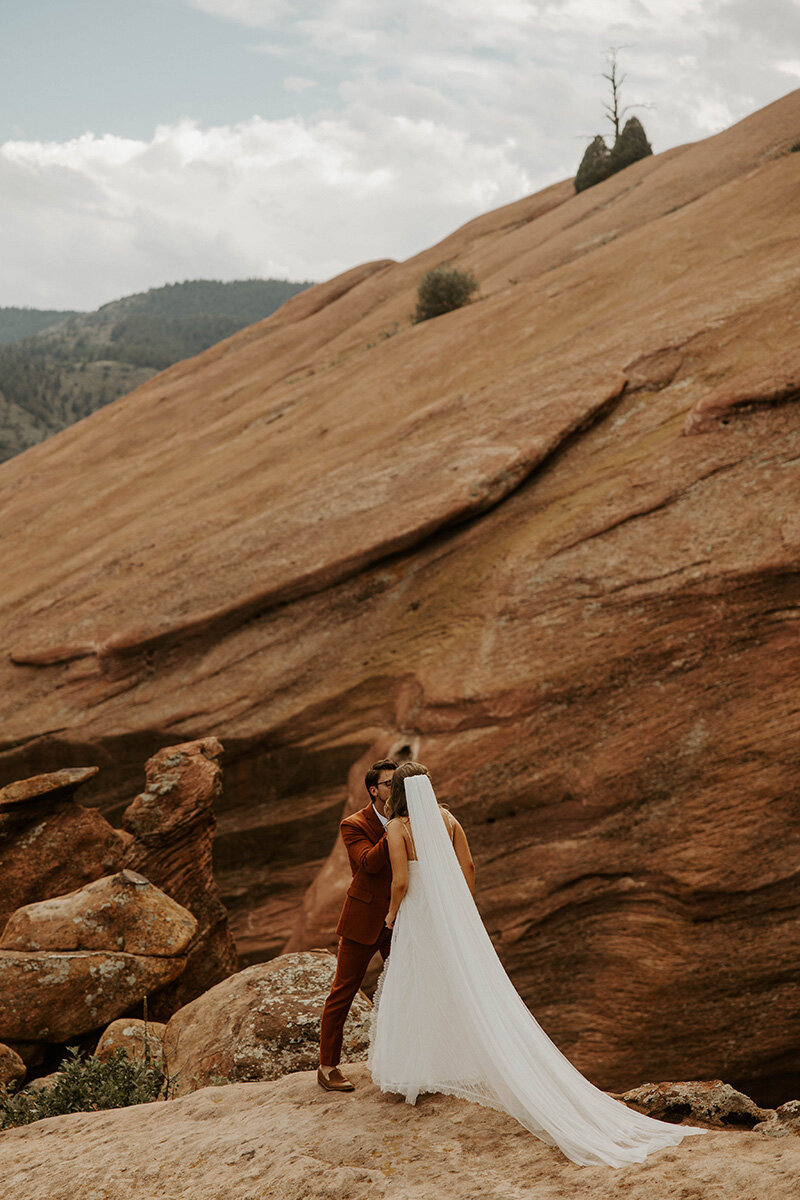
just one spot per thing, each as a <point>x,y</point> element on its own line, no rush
<point>447,1017</point>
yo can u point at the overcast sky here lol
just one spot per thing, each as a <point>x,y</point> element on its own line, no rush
<point>148,141</point>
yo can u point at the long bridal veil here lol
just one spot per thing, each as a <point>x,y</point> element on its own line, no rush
<point>448,1019</point>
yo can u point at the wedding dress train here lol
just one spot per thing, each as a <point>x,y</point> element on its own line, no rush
<point>448,1019</point>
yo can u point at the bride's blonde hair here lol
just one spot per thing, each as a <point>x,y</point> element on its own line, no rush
<point>397,805</point>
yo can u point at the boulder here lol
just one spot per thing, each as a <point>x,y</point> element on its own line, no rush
<point>782,1122</point>
<point>50,844</point>
<point>12,1068</point>
<point>710,1102</point>
<point>52,996</point>
<point>172,824</point>
<point>261,1023</point>
<point>139,1040</point>
<point>31,1053</point>
<point>72,964</point>
<point>121,912</point>
<point>42,1082</point>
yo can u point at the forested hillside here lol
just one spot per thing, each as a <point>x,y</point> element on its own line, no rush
<point>16,323</point>
<point>58,367</point>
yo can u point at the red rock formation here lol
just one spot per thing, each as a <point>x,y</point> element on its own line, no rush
<point>71,964</point>
<point>484,534</point>
<point>49,844</point>
<point>173,823</point>
<point>120,912</point>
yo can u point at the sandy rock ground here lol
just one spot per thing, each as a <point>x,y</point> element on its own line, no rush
<point>288,1140</point>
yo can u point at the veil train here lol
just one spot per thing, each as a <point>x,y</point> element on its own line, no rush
<point>447,1018</point>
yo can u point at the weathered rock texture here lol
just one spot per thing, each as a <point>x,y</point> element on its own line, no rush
<point>783,1122</point>
<point>71,964</point>
<point>49,844</point>
<point>261,1023</point>
<point>52,996</point>
<point>173,825</point>
<point>288,1139</point>
<point>710,1102</point>
<point>139,1039</point>
<point>486,536</point>
<point>12,1068</point>
<point>120,912</point>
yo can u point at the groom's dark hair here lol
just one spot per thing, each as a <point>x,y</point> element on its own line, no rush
<point>371,777</point>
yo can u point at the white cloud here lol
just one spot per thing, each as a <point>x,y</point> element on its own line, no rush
<point>409,119</point>
<point>93,218</point>
<point>298,83</point>
<point>530,70</point>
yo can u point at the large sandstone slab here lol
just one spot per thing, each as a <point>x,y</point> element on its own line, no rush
<point>288,1138</point>
<point>485,540</point>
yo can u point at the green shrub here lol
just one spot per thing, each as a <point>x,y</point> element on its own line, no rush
<point>442,290</point>
<point>84,1085</point>
<point>598,162</point>
<point>630,146</point>
<point>595,165</point>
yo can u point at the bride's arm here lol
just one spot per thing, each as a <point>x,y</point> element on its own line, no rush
<point>398,855</point>
<point>465,861</point>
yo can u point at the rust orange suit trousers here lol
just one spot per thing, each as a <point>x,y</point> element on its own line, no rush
<point>352,961</point>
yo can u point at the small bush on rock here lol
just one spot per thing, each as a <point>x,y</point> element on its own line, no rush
<point>442,290</point>
<point>630,142</point>
<point>630,146</point>
<point>595,165</point>
<point>84,1085</point>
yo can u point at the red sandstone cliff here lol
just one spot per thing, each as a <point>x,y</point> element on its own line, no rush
<point>550,542</point>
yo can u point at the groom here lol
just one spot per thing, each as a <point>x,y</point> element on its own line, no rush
<point>361,927</point>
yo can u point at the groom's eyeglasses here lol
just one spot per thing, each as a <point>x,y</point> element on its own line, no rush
<point>385,783</point>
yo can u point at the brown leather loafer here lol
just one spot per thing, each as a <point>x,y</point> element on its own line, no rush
<point>335,1082</point>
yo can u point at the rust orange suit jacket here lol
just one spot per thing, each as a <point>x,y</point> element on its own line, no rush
<point>367,900</point>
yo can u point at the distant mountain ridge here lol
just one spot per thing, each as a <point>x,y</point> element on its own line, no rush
<point>18,323</point>
<point>57,367</point>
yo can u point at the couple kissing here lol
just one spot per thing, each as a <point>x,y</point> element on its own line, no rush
<point>446,1017</point>
<point>366,922</point>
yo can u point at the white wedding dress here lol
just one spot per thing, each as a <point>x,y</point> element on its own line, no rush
<point>448,1019</point>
